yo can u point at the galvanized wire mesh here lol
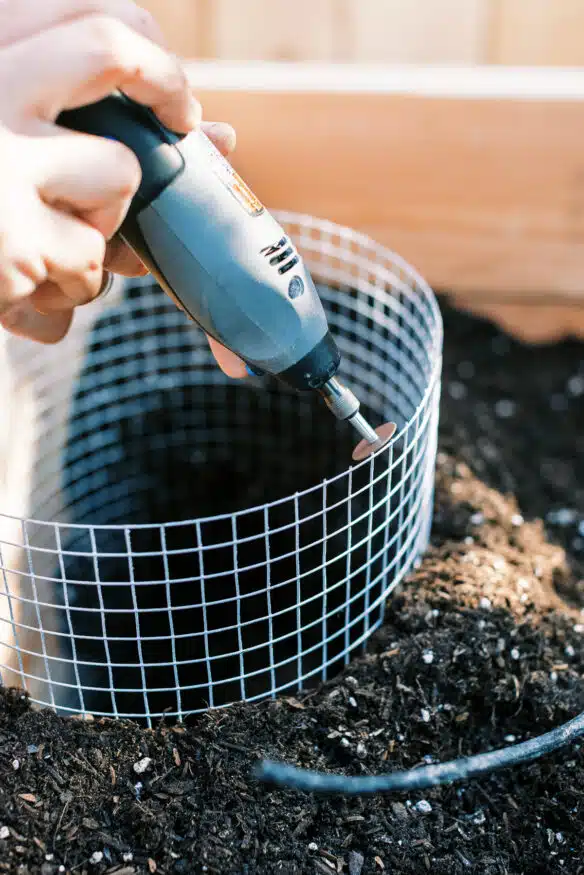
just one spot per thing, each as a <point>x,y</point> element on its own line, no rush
<point>189,541</point>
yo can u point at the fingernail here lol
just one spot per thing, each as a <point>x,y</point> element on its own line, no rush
<point>223,132</point>
<point>222,135</point>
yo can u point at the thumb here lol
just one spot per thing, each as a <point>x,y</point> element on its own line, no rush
<point>92,177</point>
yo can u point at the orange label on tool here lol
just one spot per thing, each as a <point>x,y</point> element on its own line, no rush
<point>245,195</point>
<point>233,181</point>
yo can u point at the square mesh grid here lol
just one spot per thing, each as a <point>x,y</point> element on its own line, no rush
<point>193,542</point>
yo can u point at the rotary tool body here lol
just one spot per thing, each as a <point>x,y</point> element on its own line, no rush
<point>221,256</point>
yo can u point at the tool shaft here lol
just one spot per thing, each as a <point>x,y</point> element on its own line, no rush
<point>344,404</point>
<point>363,428</point>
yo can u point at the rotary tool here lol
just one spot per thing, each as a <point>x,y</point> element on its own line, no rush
<point>223,258</point>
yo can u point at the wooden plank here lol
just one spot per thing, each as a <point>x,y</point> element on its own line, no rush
<point>184,24</point>
<point>407,31</point>
<point>541,32</point>
<point>413,31</point>
<point>482,194</point>
<point>274,30</point>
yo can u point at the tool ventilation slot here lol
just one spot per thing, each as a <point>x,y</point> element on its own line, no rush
<point>282,255</point>
<point>289,265</point>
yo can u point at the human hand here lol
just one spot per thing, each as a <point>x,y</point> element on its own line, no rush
<point>68,187</point>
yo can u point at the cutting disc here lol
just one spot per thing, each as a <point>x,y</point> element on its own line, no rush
<point>364,449</point>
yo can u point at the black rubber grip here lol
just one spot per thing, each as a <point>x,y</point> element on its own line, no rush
<point>119,118</point>
<point>316,368</point>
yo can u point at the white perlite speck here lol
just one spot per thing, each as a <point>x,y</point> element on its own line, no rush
<point>505,408</point>
<point>4,832</point>
<point>515,653</point>
<point>425,715</point>
<point>569,650</point>
<point>142,765</point>
<point>423,806</point>
<point>457,390</point>
<point>576,385</point>
<point>96,858</point>
<point>15,765</point>
<point>128,857</point>
<point>428,657</point>
<point>485,603</point>
<point>313,847</point>
<point>565,516</point>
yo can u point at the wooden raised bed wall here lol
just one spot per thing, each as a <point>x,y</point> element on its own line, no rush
<point>471,170</point>
<point>475,176</point>
<point>517,32</point>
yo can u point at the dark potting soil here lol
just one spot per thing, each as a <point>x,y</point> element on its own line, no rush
<point>482,647</point>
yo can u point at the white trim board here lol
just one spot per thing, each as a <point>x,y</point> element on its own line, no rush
<point>457,82</point>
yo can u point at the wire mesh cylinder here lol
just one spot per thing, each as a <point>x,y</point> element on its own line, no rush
<point>177,540</point>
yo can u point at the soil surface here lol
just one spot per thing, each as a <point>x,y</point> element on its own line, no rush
<point>482,647</point>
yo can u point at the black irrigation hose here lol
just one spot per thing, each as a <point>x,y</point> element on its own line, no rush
<point>427,776</point>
